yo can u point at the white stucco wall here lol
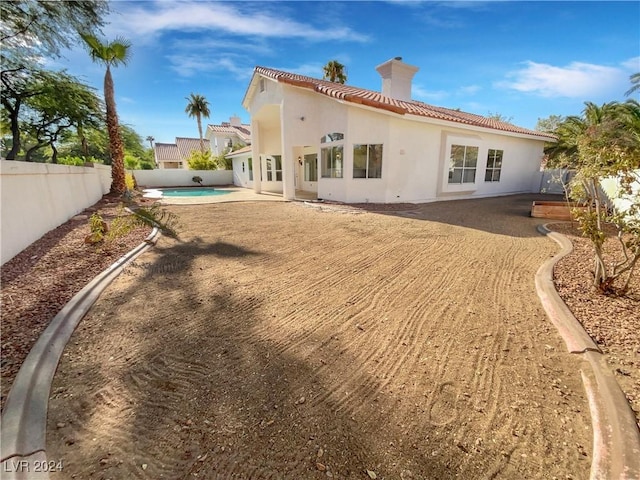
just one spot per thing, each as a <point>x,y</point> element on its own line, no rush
<point>38,197</point>
<point>241,171</point>
<point>620,200</point>
<point>416,150</point>
<point>181,178</point>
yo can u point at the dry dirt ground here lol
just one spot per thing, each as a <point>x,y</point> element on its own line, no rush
<point>278,340</point>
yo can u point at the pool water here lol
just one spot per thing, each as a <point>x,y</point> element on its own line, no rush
<point>192,192</point>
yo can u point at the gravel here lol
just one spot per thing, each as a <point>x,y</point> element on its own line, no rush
<point>41,279</point>
<point>613,322</point>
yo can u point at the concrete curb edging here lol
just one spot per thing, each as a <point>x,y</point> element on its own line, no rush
<point>616,438</point>
<point>24,421</point>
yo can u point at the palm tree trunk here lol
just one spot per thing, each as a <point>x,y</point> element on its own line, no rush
<point>200,132</point>
<point>118,184</point>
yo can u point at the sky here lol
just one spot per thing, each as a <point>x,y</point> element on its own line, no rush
<point>522,60</point>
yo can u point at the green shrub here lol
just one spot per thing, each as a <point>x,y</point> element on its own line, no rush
<point>98,228</point>
<point>147,165</point>
<point>129,181</point>
<point>77,161</point>
<point>201,161</point>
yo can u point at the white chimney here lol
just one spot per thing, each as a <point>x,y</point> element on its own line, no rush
<point>235,121</point>
<point>396,78</point>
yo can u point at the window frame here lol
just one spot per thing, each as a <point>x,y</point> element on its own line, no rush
<point>491,170</point>
<point>368,160</point>
<point>335,168</point>
<point>465,167</point>
<point>277,167</point>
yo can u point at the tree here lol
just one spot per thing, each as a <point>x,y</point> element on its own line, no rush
<point>114,53</point>
<point>198,107</point>
<point>42,27</point>
<point>150,139</point>
<point>19,84</point>
<point>93,141</point>
<point>63,103</point>
<point>335,72</point>
<point>604,142</point>
<point>499,117</point>
<point>549,124</point>
<point>30,31</point>
<point>201,161</point>
<point>635,81</point>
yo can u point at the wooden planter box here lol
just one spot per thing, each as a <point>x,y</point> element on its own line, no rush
<point>553,210</point>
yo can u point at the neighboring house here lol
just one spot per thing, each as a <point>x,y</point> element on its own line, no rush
<point>167,155</point>
<point>349,144</point>
<point>176,155</point>
<point>227,135</point>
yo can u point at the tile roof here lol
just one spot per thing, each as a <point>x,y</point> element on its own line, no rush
<point>240,151</point>
<point>166,152</point>
<point>402,107</point>
<point>187,145</point>
<point>243,131</point>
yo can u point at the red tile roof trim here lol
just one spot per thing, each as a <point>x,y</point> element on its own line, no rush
<point>373,99</point>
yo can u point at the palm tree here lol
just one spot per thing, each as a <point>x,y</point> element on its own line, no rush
<point>603,142</point>
<point>198,107</point>
<point>334,71</point>
<point>635,81</point>
<point>116,52</point>
<point>565,153</point>
<point>150,139</point>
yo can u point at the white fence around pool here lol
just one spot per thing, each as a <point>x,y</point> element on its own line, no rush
<point>181,178</point>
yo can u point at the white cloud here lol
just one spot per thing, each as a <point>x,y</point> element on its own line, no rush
<point>469,90</point>
<point>421,93</point>
<point>632,65</point>
<point>188,65</point>
<point>149,19</point>
<point>576,80</point>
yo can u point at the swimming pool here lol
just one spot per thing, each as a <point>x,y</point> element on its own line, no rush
<point>192,192</point>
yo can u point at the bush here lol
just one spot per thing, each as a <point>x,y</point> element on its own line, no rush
<point>146,165</point>
<point>201,161</point>
<point>77,161</point>
<point>129,181</point>
<point>131,162</point>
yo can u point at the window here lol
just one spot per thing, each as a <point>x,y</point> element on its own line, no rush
<point>332,137</point>
<point>331,162</point>
<point>367,161</point>
<point>274,168</point>
<point>463,164</point>
<point>494,166</point>
<point>268,169</point>
<point>250,164</point>
<point>311,168</point>
<point>278,162</point>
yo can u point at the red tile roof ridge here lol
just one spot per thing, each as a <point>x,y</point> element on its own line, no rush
<point>378,100</point>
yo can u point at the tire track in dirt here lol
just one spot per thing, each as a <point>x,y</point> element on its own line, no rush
<point>394,349</point>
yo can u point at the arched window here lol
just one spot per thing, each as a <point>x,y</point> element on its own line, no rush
<point>332,137</point>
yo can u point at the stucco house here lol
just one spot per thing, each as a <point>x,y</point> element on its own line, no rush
<point>349,144</point>
<point>176,155</point>
<point>227,135</point>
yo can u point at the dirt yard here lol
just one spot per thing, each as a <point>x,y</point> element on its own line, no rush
<point>278,340</point>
